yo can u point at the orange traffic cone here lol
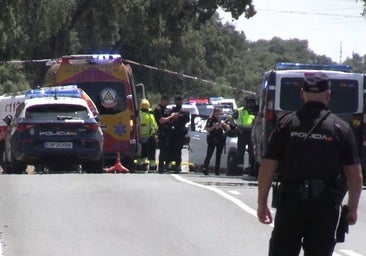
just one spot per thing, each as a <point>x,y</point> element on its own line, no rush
<point>117,167</point>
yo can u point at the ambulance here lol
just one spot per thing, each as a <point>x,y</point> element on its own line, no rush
<point>9,103</point>
<point>110,84</point>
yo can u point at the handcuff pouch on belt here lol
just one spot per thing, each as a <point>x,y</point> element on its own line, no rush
<point>310,189</point>
<point>316,190</point>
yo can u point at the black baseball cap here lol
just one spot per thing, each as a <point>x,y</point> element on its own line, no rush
<point>316,82</point>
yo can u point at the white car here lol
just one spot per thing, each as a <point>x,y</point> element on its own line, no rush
<point>198,148</point>
<point>191,108</point>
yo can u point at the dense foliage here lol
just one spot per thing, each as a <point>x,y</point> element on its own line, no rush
<point>186,37</point>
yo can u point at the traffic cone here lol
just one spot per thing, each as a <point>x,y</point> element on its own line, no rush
<point>117,167</point>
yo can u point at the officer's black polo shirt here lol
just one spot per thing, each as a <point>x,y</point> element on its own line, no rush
<point>314,153</point>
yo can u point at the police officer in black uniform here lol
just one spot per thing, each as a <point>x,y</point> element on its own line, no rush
<point>316,157</point>
<point>163,118</point>
<point>178,131</point>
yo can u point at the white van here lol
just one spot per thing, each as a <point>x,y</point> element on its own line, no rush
<point>280,93</point>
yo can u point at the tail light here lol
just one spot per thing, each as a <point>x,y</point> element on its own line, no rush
<point>269,114</point>
<point>24,127</point>
<point>91,127</point>
<point>356,121</point>
<point>132,124</point>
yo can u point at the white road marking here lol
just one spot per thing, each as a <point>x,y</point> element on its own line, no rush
<point>245,207</point>
<point>234,192</point>
<point>236,201</point>
<point>349,252</point>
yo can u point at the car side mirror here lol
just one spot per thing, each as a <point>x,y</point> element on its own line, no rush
<point>98,118</point>
<point>8,119</point>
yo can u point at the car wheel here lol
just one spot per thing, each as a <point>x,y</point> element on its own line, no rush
<point>17,167</point>
<point>94,166</point>
<point>2,152</point>
<point>232,164</point>
<point>128,163</point>
<point>6,166</point>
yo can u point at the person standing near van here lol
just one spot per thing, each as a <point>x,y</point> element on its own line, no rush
<point>216,139</point>
<point>316,157</point>
<point>163,119</point>
<point>178,131</point>
<point>245,116</point>
<point>149,128</point>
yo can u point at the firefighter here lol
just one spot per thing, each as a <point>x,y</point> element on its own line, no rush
<point>149,128</point>
<point>316,157</point>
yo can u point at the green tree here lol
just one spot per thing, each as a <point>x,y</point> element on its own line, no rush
<point>12,79</point>
<point>357,62</point>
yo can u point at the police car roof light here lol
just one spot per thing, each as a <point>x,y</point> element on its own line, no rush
<point>57,92</point>
<point>92,58</point>
<point>297,66</point>
<point>199,100</point>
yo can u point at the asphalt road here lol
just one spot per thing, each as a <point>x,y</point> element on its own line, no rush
<point>137,214</point>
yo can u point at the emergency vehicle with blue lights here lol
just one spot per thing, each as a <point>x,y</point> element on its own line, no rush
<point>280,94</point>
<point>110,84</point>
<point>9,102</point>
<point>49,125</point>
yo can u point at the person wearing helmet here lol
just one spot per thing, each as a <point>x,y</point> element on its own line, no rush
<point>319,163</point>
<point>149,128</point>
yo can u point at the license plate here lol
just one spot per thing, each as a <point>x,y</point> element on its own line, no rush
<point>58,144</point>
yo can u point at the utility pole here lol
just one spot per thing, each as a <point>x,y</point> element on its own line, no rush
<point>340,53</point>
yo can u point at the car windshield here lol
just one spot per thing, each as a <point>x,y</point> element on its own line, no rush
<point>344,98</point>
<point>56,112</point>
<point>109,97</point>
<point>205,109</point>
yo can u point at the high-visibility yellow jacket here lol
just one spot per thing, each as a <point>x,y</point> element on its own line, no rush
<point>149,126</point>
<point>244,117</point>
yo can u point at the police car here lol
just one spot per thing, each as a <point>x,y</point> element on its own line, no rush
<point>198,148</point>
<point>54,128</point>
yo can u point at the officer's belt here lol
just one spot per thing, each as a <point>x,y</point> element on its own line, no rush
<point>308,189</point>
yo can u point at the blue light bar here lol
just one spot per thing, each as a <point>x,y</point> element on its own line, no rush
<point>297,66</point>
<point>106,57</point>
<point>92,58</point>
<point>71,91</point>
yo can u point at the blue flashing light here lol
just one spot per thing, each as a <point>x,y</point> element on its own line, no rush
<point>71,91</point>
<point>297,66</point>
<point>92,58</point>
<point>106,57</point>
<point>216,98</point>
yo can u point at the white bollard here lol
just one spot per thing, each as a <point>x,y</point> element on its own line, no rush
<point>246,158</point>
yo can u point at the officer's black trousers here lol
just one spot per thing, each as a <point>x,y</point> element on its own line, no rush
<point>210,150</point>
<point>244,139</point>
<point>163,154</point>
<point>310,226</point>
<point>175,147</point>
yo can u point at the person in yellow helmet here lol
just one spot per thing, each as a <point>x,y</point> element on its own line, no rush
<point>149,128</point>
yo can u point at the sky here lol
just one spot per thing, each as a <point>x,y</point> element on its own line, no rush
<point>334,28</point>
